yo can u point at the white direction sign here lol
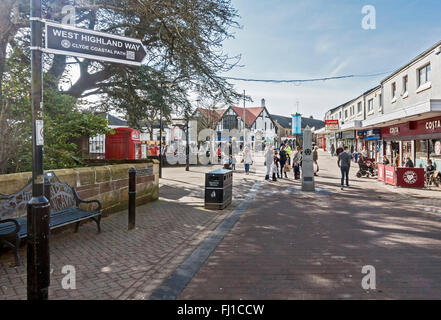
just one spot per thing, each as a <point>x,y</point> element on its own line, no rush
<point>95,45</point>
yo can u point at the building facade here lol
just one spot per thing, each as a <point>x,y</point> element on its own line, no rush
<point>400,118</point>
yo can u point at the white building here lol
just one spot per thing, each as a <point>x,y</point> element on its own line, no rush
<point>401,117</point>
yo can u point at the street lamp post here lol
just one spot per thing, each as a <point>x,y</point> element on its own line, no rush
<point>244,121</point>
<point>38,258</point>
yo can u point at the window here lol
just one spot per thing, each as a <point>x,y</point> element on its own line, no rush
<point>405,82</point>
<point>346,113</point>
<point>380,101</point>
<point>423,75</point>
<point>371,105</point>
<point>97,146</point>
<point>359,107</point>
<point>394,90</point>
<point>339,115</point>
<point>352,110</point>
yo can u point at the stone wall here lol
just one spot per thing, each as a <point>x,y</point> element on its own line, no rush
<point>106,183</point>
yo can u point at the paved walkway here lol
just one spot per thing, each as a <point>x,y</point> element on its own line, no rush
<point>121,264</point>
<point>294,245</point>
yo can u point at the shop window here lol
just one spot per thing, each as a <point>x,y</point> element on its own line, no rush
<point>371,105</point>
<point>405,82</point>
<point>421,149</point>
<point>359,107</point>
<point>424,75</point>
<point>435,149</point>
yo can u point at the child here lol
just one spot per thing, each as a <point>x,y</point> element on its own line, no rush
<point>233,162</point>
<point>274,169</point>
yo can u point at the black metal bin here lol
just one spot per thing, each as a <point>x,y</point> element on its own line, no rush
<point>218,189</point>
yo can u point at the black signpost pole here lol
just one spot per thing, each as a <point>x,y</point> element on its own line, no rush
<point>38,260</point>
<point>160,143</point>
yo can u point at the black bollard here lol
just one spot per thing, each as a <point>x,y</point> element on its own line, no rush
<point>132,198</point>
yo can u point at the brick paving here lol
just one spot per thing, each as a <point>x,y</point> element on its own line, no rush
<point>121,264</point>
<point>294,245</point>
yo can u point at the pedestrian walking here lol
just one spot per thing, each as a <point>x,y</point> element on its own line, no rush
<point>332,150</point>
<point>339,150</point>
<point>219,153</point>
<point>356,157</point>
<point>283,161</point>
<point>277,161</point>
<point>344,163</point>
<point>296,161</point>
<point>269,158</point>
<point>275,169</point>
<point>247,160</point>
<point>233,162</point>
<point>288,153</point>
<point>315,160</point>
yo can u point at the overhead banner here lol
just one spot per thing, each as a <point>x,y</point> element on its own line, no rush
<point>296,124</point>
<point>90,44</point>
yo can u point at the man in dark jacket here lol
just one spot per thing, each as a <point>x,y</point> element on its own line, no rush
<point>283,158</point>
<point>344,163</point>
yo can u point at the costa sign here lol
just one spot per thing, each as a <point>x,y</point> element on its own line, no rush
<point>432,125</point>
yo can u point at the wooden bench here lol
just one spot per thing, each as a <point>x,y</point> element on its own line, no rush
<point>65,209</point>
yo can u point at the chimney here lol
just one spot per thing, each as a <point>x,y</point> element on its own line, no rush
<point>263,103</point>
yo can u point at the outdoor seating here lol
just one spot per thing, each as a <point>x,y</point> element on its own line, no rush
<point>64,210</point>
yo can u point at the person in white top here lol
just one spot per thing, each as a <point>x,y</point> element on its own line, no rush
<point>247,159</point>
<point>269,159</point>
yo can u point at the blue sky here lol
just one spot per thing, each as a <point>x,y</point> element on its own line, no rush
<point>301,39</point>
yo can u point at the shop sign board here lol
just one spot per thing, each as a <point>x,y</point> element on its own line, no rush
<point>331,125</point>
<point>349,134</point>
<point>389,175</point>
<point>410,177</point>
<point>380,168</point>
<point>420,127</point>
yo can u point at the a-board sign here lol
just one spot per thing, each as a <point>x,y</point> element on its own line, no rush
<point>95,45</point>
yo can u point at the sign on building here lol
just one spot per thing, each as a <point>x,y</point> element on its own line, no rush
<point>331,125</point>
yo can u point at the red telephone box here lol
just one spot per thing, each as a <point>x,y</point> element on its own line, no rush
<point>125,143</point>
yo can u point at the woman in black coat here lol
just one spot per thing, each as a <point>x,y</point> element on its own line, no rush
<point>283,159</point>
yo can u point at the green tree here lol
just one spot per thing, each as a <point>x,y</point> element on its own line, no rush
<point>64,121</point>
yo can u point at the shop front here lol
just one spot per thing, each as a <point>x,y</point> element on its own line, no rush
<point>417,140</point>
<point>369,142</point>
<point>348,140</point>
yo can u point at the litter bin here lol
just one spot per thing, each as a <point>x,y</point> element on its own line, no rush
<point>218,189</point>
